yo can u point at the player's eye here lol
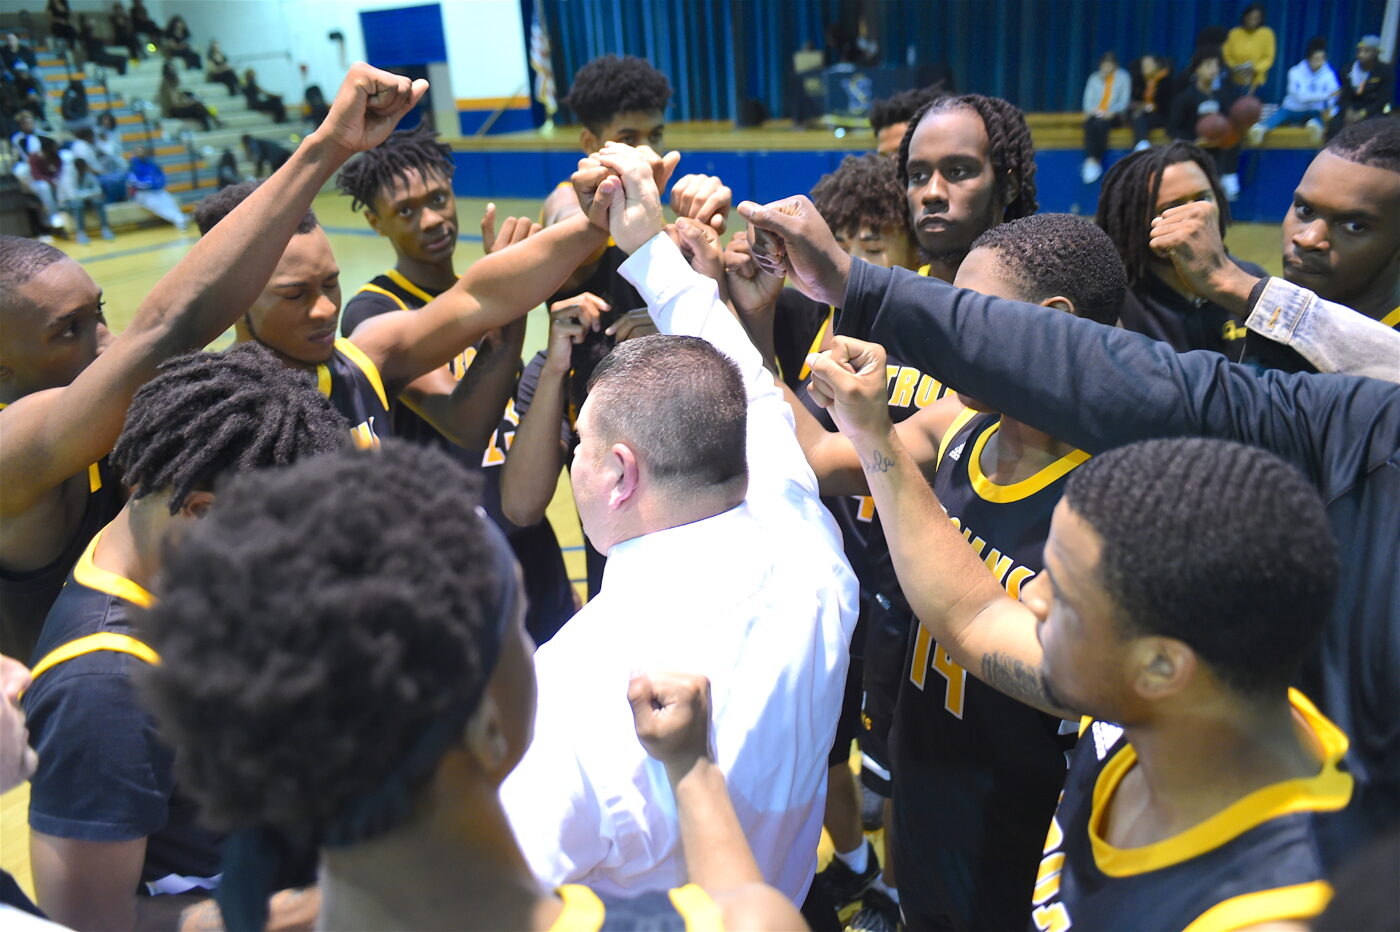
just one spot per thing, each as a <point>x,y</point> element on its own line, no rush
<point>405,212</point>
<point>1303,212</point>
<point>292,295</point>
<point>1354,227</point>
<point>102,312</point>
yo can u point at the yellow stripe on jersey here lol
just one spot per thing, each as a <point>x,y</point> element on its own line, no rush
<point>695,906</point>
<point>356,355</point>
<point>1392,319</point>
<point>990,491</point>
<point>583,911</point>
<point>102,640</point>
<point>94,478</point>
<point>1329,791</point>
<point>925,269</point>
<point>1301,901</point>
<point>817,343</point>
<point>93,576</point>
<point>371,286</point>
<point>958,424</point>
<point>398,278</point>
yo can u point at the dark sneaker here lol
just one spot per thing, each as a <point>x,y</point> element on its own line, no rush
<point>844,885</point>
<point>878,913</point>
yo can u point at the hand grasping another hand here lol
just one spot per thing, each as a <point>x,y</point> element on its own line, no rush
<point>849,381</point>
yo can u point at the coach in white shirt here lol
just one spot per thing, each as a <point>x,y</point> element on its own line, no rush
<point>721,561</point>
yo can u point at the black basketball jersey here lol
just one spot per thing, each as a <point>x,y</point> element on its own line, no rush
<point>681,909</point>
<point>351,381</point>
<point>1254,862</point>
<point>976,773</point>
<point>26,597</point>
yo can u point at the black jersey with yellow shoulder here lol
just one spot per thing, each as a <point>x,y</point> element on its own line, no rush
<point>350,379</point>
<point>25,598</point>
<point>976,773</point>
<point>1252,863</point>
<point>681,909</point>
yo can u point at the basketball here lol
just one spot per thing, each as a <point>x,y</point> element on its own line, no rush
<point>1245,112</point>
<point>1216,130</point>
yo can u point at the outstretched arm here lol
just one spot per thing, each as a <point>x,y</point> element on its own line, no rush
<point>53,434</point>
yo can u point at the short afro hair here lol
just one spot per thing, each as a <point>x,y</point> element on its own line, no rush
<point>1374,142</point>
<point>1222,546</point>
<point>209,415</point>
<point>863,191</point>
<point>610,85</point>
<point>1010,149</point>
<point>380,168</point>
<point>901,107</point>
<point>215,207</point>
<point>22,258</point>
<point>307,645</point>
<point>1058,254</point>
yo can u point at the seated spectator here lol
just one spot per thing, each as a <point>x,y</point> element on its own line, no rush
<point>74,106</point>
<point>108,155</point>
<point>220,70</point>
<point>1107,95</point>
<point>124,33</point>
<point>178,104</point>
<point>17,57</point>
<point>1369,88</point>
<point>1203,94</point>
<point>61,24</point>
<point>228,170</point>
<point>1153,86</point>
<point>1313,90</point>
<point>80,188</point>
<point>890,117</point>
<point>95,46</point>
<point>1249,50</point>
<point>25,138</point>
<point>411,830</point>
<point>316,106</point>
<point>45,164</point>
<point>142,23</point>
<point>266,156</point>
<point>147,182</point>
<point>177,43</point>
<point>261,101</point>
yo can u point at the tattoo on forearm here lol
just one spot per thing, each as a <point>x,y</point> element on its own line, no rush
<point>1016,679</point>
<point>879,462</point>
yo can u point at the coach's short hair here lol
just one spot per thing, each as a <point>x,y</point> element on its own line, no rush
<point>610,85</point>
<point>680,404</point>
<point>1374,142</point>
<point>865,190</point>
<point>22,258</point>
<point>215,207</point>
<point>1222,546</point>
<point>1059,254</point>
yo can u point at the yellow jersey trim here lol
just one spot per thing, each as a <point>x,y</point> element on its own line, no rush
<point>990,491</point>
<point>1392,319</point>
<point>701,914</point>
<point>397,278</point>
<point>93,576</point>
<point>1301,901</point>
<point>925,269</point>
<point>958,424</point>
<point>94,478</point>
<point>1330,790</point>
<point>102,640</point>
<point>816,346</point>
<point>371,286</point>
<point>356,355</point>
<point>583,911</point>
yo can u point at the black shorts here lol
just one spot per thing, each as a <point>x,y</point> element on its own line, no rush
<point>848,726</point>
<point>886,644</point>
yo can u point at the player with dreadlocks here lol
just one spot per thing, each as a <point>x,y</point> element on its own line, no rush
<point>890,116</point>
<point>1159,302</point>
<point>107,819</point>
<point>404,187</point>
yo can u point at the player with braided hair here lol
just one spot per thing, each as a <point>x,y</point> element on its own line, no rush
<point>1159,302</point>
<point>106,815</point>
<point>411,636</point>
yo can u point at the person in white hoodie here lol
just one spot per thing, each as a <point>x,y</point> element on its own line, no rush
<point>1107,94</point>
<point>1313,89</point>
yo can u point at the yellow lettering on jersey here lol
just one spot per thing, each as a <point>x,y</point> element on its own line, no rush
<point>918,665</point>
<point>1047,916</point>
<point>1047,879</point>
<point>1055,836</point>
<point>1233,331</point>
<point>903,393</point>
<point>978,544</point>
<point>364,436</point>
<point>956,677</point>
<point>500,443</point>
<point>1052,918</point>
<point>998,564</point>
<point>890,372</point>
<point>930,390</point>
<point>865,510</point>
<point>459,366</point>
<point>1018,578</point>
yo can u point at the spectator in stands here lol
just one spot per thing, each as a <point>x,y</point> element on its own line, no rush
<point>261,101</point>
<point>142,23</point>
<point>228,170</point>
<point>104,154</point>
<point>889,118</point>
<point>45,165</point>
<point>1313,90</point>
<point>1249,49</point>
<point>23,67</point>
<point>265,155</point>
<point>95,47</point>
<point>1200,97</point>
<point>177,43</point>
<point>61,24</point>
<point>124,33</point>
<point>1152,96</point>
<point>316,107</point>
<point>81,188</point>
<point>1369,89</point>
<point>220,70</point>
<point>178,104</point>
<point>147,181</point>
<point>25,139</point>
<point>1107,94</point>
<point>74,106</point>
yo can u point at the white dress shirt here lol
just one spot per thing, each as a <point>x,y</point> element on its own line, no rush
<point>760,599</point>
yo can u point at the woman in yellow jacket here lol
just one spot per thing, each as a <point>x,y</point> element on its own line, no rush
<point>1249,50</point>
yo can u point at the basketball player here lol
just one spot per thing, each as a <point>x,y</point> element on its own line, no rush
<point>106,817</point>
<point>409,824</point>
<point>63,406</point>
<point>889,117</point>
<point>404,187</point>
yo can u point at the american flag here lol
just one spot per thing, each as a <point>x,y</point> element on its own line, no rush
<point>541,63</point>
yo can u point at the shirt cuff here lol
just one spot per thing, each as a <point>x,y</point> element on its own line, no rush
<point>658,270</point>
<point>1276,308</point>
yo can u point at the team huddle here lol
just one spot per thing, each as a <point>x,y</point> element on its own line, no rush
<point>1084,532</point>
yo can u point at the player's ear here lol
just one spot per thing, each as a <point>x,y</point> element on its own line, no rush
<point>196,504</point>
<point>485,739</point>
<point>624,460</point>
<point>373,219</point>
<point>1161,667</point>
<point>1010,184</point>
<point>590,141</point>
<point>1059,303</point>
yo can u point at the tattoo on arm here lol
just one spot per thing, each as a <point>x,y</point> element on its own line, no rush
<point>1020,681</point>
<point>879,462</point>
